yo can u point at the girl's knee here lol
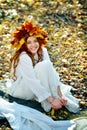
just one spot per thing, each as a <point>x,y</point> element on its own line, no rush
<point>43,64</point>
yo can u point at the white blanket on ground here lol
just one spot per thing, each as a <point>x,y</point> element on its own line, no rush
<point>25,118</point>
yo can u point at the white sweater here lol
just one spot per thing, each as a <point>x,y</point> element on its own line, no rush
<point>27,86</point>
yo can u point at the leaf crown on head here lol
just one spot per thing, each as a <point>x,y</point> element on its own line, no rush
<point>27,28</point>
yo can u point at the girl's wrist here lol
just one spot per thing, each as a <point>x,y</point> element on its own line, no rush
<point>50,99</point>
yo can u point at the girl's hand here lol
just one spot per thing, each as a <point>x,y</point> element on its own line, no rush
<point>63,101</point>
<point>56,104</point>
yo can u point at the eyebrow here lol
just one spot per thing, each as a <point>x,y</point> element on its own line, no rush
<point>33,40</point>
<point>28,41</point>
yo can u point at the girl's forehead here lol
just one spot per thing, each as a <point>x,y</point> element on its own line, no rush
<point>31,38</point>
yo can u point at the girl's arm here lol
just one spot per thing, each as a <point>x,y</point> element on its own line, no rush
<point>63,100</point>
<point>25,67</point>
<point>45,54</point>
<point>59,92</point>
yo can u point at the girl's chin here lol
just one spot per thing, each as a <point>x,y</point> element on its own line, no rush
<point>33,52</point>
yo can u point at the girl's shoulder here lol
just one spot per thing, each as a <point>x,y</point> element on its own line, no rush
<point>45,54</point>
<point>25,57</point>
<point>44,49</point>
<point>23,53</point>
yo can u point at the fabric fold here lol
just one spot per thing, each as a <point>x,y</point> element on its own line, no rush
<point>21,117</point>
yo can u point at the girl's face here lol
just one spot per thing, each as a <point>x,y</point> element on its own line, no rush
<point>32,45</point>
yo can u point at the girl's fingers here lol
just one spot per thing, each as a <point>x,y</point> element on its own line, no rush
<point>64,101</point>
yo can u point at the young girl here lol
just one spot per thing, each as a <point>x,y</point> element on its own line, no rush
<point>34,77</point>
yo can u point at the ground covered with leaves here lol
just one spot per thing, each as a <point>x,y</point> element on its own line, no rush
<point>66,24</point>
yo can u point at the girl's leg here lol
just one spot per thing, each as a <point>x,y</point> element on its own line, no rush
<point>49,79</point>
<point>48,76</point>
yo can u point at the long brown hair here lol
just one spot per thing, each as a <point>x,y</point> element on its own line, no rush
<point>15,59</point>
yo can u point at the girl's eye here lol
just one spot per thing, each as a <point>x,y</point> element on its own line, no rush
<point>35,40</point>
<point>28,42</point>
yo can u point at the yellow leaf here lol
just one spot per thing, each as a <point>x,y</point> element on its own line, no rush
<point>1,27</point>
<point>61,0</point>
<point>80,76</point>
<point>22,41</point>
<point>51,28</point>
<point>52,112</point>
<point>57,62</point>
<point>37,3</point>
<point>66,43</point>
<point>54,117</point>
<point>30,0</point>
